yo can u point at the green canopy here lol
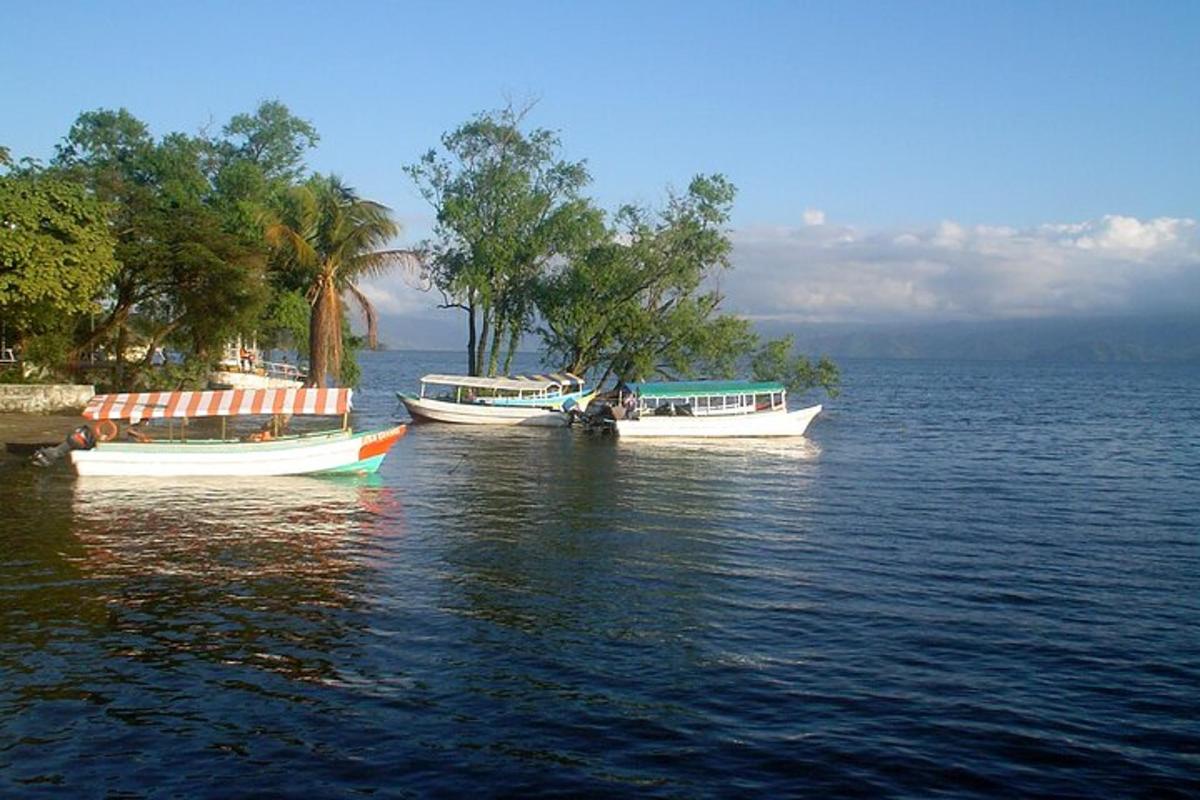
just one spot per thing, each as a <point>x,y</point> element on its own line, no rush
<point>704,388</point>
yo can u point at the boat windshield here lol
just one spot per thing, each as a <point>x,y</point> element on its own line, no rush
<point>710,398</point>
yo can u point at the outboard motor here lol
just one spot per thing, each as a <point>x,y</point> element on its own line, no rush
<point>571,408</point>
<point>81,438</point>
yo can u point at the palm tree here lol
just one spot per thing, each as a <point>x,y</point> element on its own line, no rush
<point>332,238</point>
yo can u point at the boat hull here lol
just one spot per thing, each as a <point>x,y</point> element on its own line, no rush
<point>325,453</point>
<point>761,423</point>
<point>228,379</point>
<point>481,413</point>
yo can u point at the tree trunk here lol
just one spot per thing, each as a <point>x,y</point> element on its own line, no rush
<point>325,335</point>
<point>494,356</point>
<point>471,334</point>
<point>116,316</point>
<point>119,355</point>
<point>482,344</point>
<point>514,338</point>
<point>334,299</point>
<point>157,339</point>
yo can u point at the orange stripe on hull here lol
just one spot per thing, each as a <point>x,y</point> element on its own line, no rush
<point>380,443</point>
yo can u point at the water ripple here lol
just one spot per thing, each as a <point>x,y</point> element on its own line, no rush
<point>972,580</point>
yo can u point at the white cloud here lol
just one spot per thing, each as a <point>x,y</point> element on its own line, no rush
<point>1114,264</point>
<point>820,271</point>
<point>1128,233</point>
<point>395,296</point>
<point>814,216</point>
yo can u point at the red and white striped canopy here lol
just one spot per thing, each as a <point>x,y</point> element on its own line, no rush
<point>226,403</point>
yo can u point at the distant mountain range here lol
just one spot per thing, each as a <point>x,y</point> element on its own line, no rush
<point>1092,340</point>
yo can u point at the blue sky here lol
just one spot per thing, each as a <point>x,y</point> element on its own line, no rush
<point>883,120</point>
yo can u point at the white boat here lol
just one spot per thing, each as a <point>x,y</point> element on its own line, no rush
<point>266,376</point>
<point>690,409</point>
<point>538,400</point>
<point>243,367</point>
<point>262,452</point>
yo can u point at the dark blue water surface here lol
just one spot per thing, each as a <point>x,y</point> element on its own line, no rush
<point>972,579</point>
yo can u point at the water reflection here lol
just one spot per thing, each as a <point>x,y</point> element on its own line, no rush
<point>760,453</point>
<point>570,537</point>
<point>170,518</point>
<point>258,572</point>
<point>204,622</point>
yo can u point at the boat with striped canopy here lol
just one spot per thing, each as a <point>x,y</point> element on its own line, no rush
<point>267,450</point>
<point>538,400</point>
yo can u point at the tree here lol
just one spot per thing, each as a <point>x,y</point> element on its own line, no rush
<point>187,272</point>
<point>326,239</point>
<point>635,304</point>
<point>210,282</point>
<point>506,206</point>
<point>272,139</point>
<point>109,152</point>
<point>56,253</point>
<point>774,361</point>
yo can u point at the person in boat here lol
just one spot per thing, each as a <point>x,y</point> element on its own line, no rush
<point>138,433</point>
<point>629,403</point>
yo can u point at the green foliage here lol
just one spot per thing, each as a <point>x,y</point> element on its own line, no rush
<point>286,321</point>
<point>127,243</point>
<point>186,241</point>
<point>633,303</point>
<point>191,270</point>
<point>506,205</point>
<point>116,139</point>
<point>48,350</point>
<point>191,374</point>
<point>240,193</point>
<point>272,139</point>
<point>325,238</point>
<point>350,373</point>
<point>56,257</point>
<point>215,283</point>
<point>774,361</point>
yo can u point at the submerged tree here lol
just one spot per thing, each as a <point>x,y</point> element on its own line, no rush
<point>636,304</point>
<point>775,361</point>
<point>327,239</point>
<point>506,206</point>
<point>642,303</point>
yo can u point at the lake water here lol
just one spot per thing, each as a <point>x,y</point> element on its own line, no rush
<point>972,579</point>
